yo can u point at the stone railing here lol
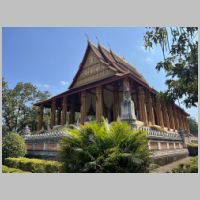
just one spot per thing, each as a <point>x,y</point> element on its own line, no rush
<point>50,134</point>
<point>154,134</point>
<point>56,133</point>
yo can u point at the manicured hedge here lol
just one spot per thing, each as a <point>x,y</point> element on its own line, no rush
<point>6,169</point>
<point>193,149</point>
<point>34,165</point>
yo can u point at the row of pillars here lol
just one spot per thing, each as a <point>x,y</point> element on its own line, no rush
<point>148,109</point>
<point>152,112</point>
<point>61,114</point>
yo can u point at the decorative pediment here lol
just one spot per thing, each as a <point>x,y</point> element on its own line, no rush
<point>92,70</point>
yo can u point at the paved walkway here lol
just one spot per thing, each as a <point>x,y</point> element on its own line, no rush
<point>169,167</point>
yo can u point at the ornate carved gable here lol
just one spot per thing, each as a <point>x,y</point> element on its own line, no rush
<point>92,70</point>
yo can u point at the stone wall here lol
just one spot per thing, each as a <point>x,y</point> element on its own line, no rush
<point>45,145</point>
<point>162,145</point>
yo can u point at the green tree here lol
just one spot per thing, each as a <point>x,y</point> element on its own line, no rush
<point>13,145</point>
<point>18,110</point>
<point>105,148</point>
<point>180,52</point>
<point>193,126</point>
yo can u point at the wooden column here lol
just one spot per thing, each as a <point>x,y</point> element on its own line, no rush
<point>166,117</point>
<point>99,110</point>
<point>184,122</point>
<point>171,118</point>
<point>159,113</point>
<point>40,117</point>
<point>150,109</point>
<point>116,102</point>
<point>187,125</point>
<point>136,103</point>
<point>72,113</point>
<point>180,120</point>
<point>53,110</point>
<point>176,120</point>
<point>58,116</point>
<point>64,110</point>
<point>142,106</point>
<point>83,106</point>
<point>178,117</point>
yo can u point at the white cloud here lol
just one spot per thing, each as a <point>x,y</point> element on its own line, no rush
<point>46,86</point>
<point>64,82</point>
<point>43,86</point>
<point>148,59</point>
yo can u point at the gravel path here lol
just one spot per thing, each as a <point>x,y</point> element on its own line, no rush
<point>169,167</point>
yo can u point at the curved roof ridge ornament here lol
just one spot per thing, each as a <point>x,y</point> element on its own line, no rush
<point>109,47</point>
<point>98,43</point>
<point>87,37</point>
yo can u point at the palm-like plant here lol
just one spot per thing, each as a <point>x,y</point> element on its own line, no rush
<point>99,147</point>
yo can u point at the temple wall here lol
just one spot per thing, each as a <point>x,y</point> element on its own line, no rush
<point>164,147</point>
<point>160,145</point>
<point>45,146</point>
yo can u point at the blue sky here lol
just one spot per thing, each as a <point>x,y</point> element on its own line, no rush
<point>50,57</point>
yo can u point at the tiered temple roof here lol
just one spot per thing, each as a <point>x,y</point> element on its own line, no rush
<point>113,61</point>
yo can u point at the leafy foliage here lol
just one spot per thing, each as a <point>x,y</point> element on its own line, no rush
<point>180,53</point>
<point>193,125</point>
<point>190,167</point>
<point>34,165</point>
<point>13,146</point>
<point>105,148</point>
<point>17,108</point>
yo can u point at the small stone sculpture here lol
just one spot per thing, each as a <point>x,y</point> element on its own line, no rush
<point>127,107</point>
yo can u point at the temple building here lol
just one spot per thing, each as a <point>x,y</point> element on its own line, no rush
<point>97,91</point>
<point>105,85</point>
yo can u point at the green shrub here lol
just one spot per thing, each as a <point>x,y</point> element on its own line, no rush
<point>13,146</point>
<point>105,148</point>
<point>6,169</point>
<point>193,149</point>
<point>190,167</point>
<point>34,165</point>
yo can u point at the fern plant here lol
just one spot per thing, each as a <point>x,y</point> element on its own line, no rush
<point>103,147</point>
